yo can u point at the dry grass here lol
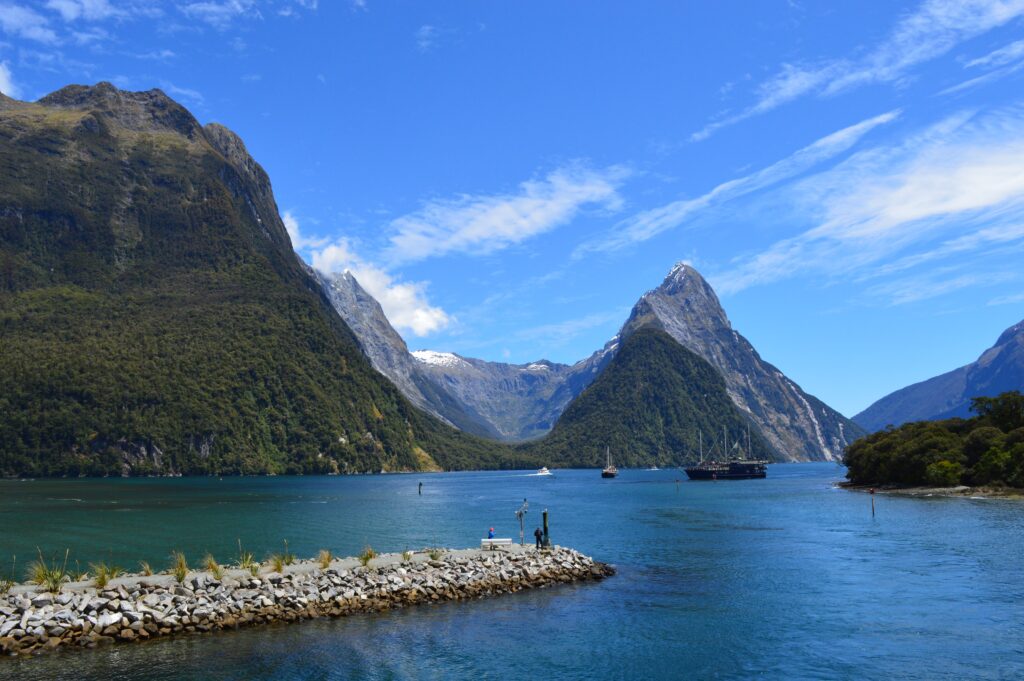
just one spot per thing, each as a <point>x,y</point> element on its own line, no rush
<point>51,576</point>
<point>179,566</point>
<point>324,558</point>
<point>103,573</point>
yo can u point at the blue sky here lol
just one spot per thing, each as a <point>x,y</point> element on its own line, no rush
<point>508,178</point>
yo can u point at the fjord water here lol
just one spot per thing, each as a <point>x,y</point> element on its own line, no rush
<point>786,577</point>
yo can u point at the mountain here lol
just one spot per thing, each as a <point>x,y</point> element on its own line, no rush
<point>519,402</point>
<point>493,399</point>
<point>648,407</point>
<point>155,319</point>
<point>797,425</point>
<point>999,369</point>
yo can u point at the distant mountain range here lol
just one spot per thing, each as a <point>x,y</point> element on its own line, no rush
<point>518,402</point>
<point>998,370</point>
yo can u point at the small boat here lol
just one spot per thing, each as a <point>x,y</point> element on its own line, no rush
<point>609,471</point>
<point>543,471</point>
<point>654,468</point>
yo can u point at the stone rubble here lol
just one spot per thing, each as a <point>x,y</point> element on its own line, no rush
<point>140,608</point>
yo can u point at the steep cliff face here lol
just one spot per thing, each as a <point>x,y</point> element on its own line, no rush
<point>510,402</point>
<point>797,425</point>
<point>155,318</point>
<point>999,369</point>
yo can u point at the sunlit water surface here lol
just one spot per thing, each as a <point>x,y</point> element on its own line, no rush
<point>779,578</point>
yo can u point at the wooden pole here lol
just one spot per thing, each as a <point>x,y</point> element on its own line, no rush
<point>872,502</point>
<point>547,539</point>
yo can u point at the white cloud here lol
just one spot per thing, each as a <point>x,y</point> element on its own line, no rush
<point>221,13</point>
<point>480,224</point>
<point>404,303</point>
<point>1008,300</point>
<point>189,95</point>
<point>89,10</point>
<point>426,35</point>
<point>26,23</point>
<point>936,27</point>
<point>936,283</point>
<point>650,223</point>
<point>964,175</point>
<point>7,85</point>
<point>563,332</point>
<point>1000,57</point>
<point>299,242</point>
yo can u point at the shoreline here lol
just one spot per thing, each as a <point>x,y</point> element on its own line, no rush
<point>135,607</point>
<point>958,492</point>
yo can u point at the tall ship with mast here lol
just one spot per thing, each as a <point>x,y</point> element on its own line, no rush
<point>729,468</point>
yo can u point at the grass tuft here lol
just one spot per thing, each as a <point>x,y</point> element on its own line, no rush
<point>276,561</point>
<point>211,565</point>
<point>51,576</point>
<point>288,556</point>
<point>367,555</point>
<point>324,558</point>
<point>406,556</point>
<point>179,566</point>
<point>145,569</point>
<point>246,559</point>
<point>435,554</point>
<point>103,573</point>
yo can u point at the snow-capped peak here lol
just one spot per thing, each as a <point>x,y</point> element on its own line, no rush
<point>443,359</point>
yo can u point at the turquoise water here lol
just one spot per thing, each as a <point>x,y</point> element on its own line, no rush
<point>779,578</point>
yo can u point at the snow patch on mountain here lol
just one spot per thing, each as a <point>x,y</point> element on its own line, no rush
<point>443,359</point>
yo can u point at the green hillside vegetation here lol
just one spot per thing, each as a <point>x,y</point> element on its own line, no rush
<point>155,319</point>
<point>648,406</point>
<point>987,449</point>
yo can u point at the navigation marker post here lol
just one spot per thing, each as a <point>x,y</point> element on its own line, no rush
<point>521,513</point>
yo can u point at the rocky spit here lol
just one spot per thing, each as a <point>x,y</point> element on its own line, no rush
<point>136,608</point>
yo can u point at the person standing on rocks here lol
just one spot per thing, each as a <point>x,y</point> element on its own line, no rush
<point>490,533</point>
<point>538,535</point>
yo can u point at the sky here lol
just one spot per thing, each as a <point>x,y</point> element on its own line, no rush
<point>508,178</point>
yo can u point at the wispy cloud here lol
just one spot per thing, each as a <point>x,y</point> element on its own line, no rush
<point>880,211</point>
<point>89,10</point>
<point>404,303</point>
<point>1004,55</point>
<point>1008,300</point>
<point>426,37</point>
<point>650,223</point>
<point>24,22</point>
<point>300,242</point>
<point>1002,62</point>
<point>481,224</point>
<point>563,332</point>
<point>932,30</point>
<point>187,94</point>
<point>221,13</point>
<point>7,85</point>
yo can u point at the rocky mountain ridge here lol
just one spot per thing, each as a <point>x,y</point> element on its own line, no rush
<point>524,401</point>
<point>999,369</point>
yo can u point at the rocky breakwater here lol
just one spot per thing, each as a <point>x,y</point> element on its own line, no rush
<point>136,608</point>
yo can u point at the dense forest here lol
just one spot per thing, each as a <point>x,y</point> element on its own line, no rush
<point>648,406</point>
<point>987,449</point>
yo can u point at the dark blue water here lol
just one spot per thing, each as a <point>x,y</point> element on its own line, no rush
<point>778,578</point>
